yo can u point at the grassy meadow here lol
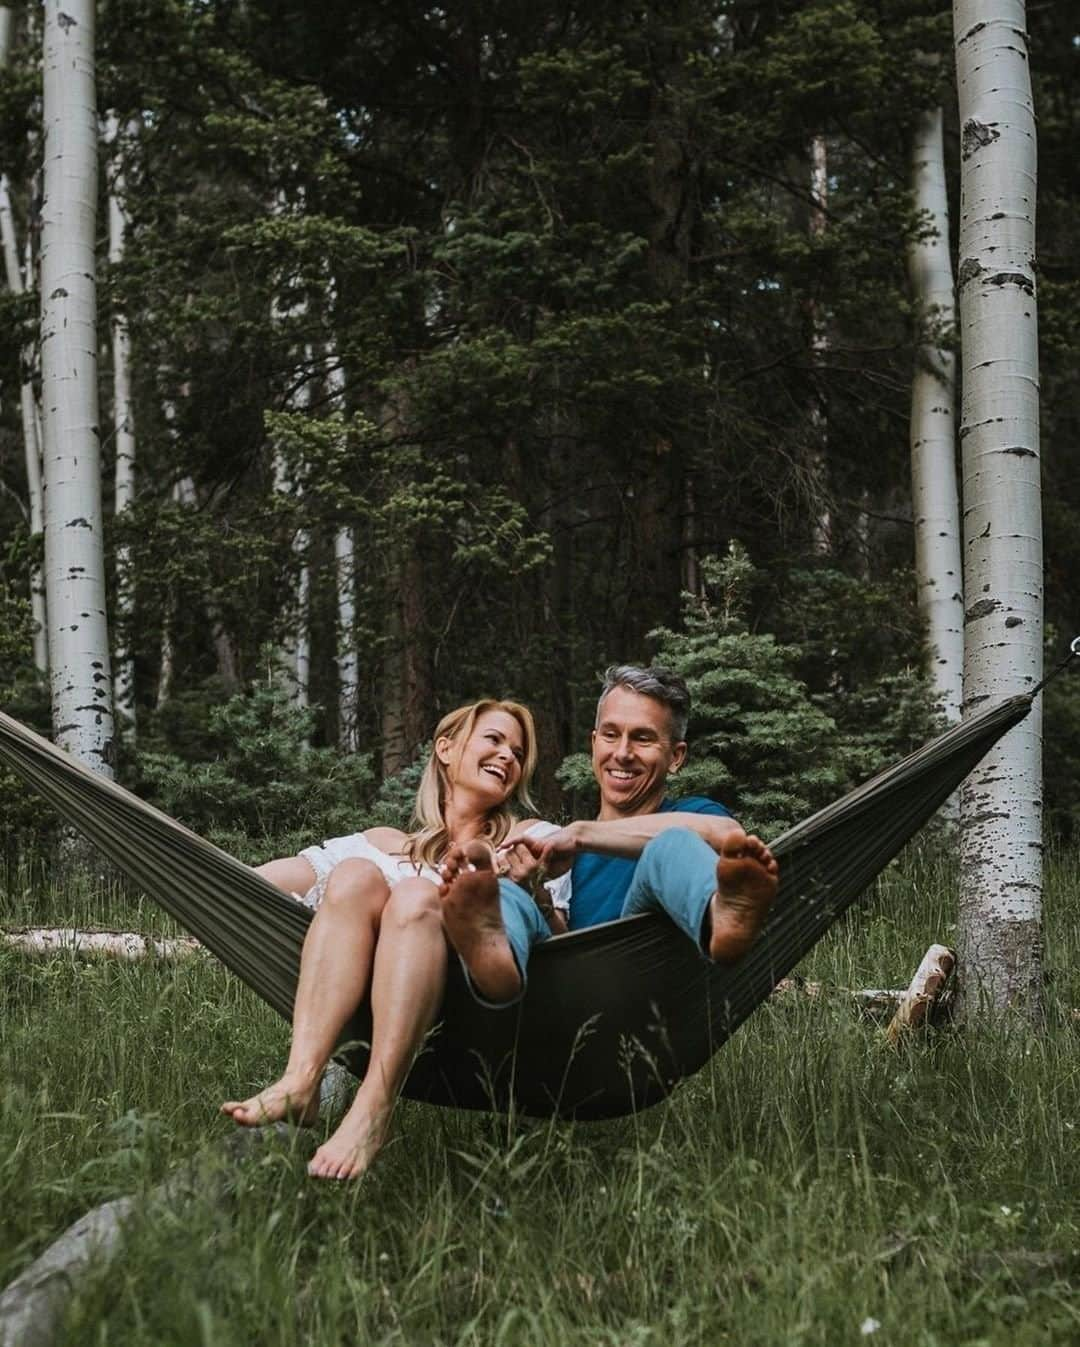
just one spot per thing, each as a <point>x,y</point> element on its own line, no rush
<point>810,1187</point>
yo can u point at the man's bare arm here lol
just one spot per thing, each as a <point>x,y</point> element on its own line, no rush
<point>627,837</point>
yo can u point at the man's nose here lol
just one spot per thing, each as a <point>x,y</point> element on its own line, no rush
<point>625,747</point>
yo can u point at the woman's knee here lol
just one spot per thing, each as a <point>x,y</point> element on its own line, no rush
<point>356,884</point>
<point>413,901</point>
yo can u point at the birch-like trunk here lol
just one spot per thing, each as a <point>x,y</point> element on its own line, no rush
<point>934,494</point>
<point>124,431</point>
<point>348,664</point>
<point>28,409</point>
<point>819,348</point>
<point>1001,846</point>
<point>74,554</point>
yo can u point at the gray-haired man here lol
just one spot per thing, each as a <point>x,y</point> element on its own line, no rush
<point>687,858</point>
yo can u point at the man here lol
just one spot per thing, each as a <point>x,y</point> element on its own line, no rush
<point>643,853</point>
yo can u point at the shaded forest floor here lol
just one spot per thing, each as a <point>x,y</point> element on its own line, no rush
<point>810,1187</point>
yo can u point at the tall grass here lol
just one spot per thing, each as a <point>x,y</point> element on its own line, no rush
<point>809,1187</point>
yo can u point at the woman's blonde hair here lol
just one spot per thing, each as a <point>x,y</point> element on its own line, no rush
<point>428,834</point>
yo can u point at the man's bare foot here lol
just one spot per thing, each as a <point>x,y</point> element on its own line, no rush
<point>473,919</point>
<point>352,1147</point>
<point>747,875</point>
<point>293,1097</point>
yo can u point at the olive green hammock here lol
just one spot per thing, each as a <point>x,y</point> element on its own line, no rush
<point>615,1015</point>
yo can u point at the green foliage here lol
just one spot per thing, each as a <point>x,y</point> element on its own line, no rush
<point>259,787</point>
<point>1061,744</point>
<point>762,739</point>
<point>26,824</point>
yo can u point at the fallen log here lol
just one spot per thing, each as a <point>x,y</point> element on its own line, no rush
<point>128,945</point>
<point>34,1305</point>
<point>925,987</point>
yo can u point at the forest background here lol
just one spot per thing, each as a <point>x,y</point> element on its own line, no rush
<point>475,347</point>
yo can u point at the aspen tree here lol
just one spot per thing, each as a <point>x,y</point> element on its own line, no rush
<point>74,556</point>
<point>819,351</point>
<point>1001,881</point>
<point>124,432</point>
<point>934,494</point>
<point>345,581</point>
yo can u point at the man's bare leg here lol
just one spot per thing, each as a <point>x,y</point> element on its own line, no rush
<point>334,969</point>
<point>747,875</point>
<point>472,915</point>
<point>406,991</point>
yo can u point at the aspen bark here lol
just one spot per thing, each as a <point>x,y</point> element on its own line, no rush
<point>74,555</point>
<point>1001,833</point>
<point>345,582</point>
<point>124,431</point>
<point>347,662</point>
<point>28,409</point>
<point>819,348</point>
<point>934,493</point>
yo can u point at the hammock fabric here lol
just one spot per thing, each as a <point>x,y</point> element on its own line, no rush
<point>615,1015</point>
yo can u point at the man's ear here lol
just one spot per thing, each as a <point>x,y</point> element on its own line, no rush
<point>444,749</point>
<point>678,756</point>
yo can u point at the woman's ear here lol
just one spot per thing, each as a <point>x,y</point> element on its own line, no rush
<point>444,749</point>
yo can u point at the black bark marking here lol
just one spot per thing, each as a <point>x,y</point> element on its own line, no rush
<point>986,531</point>
<point>1020,451</point>
<point>66,21</point>
<point>1016,278</point>
<point>976,136</point>
<point>59,293</point>
<point>1014,621</point>
<point>969,270</point>
<point>981,609</point>
<point>986,816</point>
<point>79,523</point>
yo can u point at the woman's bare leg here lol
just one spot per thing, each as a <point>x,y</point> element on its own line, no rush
<point>406,991</point>
<point>335,968</point>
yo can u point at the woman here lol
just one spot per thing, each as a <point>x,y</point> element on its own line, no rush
<point>379,930</point>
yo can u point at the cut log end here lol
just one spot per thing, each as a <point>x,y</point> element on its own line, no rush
<point>924,989</point>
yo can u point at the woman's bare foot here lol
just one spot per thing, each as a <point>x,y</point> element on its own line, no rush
<point>472,917</point>
<point>293,1097</point>
<point>747,875</point>
<point>352,1147</point>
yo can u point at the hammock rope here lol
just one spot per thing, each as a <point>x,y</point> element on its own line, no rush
<point>615,1015</point>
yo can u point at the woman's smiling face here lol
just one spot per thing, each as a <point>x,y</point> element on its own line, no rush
<point>490,761</point>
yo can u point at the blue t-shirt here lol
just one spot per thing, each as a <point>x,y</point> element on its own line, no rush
<point>600,883</point>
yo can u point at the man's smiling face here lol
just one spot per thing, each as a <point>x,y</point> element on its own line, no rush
<point>633,749</point>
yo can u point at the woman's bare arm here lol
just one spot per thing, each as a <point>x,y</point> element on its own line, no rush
<point>291,874</point>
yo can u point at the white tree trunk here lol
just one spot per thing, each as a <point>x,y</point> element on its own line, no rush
<point>348,665</point>
<point>124,430</point>
<point>74,555</point>
<point>934,493</point>
<point>1001,881</point>
<point>819,349</point>
<point>28,408</point>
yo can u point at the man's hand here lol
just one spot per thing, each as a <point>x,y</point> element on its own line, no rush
<point>555,853</point>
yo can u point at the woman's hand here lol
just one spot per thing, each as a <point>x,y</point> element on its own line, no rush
<point>554,853</point>
<point>517,862</point>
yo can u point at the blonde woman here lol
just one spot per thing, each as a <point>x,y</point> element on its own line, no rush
<point>383,916</point>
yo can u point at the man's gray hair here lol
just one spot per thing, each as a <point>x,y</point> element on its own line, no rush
<point>662,685</point>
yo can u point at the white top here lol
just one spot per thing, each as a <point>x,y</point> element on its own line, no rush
<point>322,860</point>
